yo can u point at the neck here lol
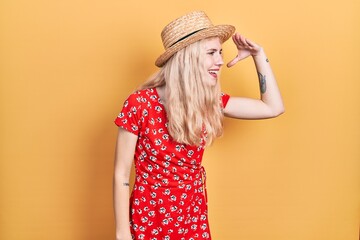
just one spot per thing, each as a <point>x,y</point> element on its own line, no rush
<point>161,92</point>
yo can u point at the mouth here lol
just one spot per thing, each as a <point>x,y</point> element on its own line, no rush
<point>214,73</point>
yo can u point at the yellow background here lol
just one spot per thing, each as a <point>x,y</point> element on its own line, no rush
<point>67,66</point>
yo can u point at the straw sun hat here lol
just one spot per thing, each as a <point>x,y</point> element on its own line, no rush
<point>188,29</point>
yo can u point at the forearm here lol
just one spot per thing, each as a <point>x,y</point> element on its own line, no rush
<point>269,90</point>
<point>124,155</point>
<point>121,207</point>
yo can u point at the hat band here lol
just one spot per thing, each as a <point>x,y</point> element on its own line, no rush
<point>186,36</point>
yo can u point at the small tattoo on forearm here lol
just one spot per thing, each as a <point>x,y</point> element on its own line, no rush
<point>126,184</point>
<point>262,81</point>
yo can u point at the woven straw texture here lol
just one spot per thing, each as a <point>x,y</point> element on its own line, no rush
<point>188,29</point>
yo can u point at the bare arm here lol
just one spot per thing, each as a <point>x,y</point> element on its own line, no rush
<point>270,104</point>
<point>124,155</point>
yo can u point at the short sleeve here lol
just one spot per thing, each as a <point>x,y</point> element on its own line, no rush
<point>130,116</point>
<point>225,98</point>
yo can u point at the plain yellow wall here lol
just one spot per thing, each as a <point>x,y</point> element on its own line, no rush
<point>67,66</point>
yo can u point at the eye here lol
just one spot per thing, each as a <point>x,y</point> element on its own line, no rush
<point>211,53</point>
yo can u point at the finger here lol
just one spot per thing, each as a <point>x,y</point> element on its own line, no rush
<point>251,43</point>
<point>232,62</point>
<point>234,39</point>
<point>243,40</point>
<point>237,40</point>
<point>247,43</point>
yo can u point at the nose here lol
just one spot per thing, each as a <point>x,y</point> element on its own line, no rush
<point>219,60</point>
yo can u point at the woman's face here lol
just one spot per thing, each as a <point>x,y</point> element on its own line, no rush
<point>213,59</point>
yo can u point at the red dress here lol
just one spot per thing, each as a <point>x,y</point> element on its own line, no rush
<point>168,200</point>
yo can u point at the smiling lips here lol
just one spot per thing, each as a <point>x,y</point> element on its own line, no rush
<point>214,72</point>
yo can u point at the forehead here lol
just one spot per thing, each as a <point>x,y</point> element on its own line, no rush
<point>212,43</point>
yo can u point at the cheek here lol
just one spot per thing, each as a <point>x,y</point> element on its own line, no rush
<point>208,62</point>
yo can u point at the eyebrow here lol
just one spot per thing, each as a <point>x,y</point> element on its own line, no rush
<point>214,49</point>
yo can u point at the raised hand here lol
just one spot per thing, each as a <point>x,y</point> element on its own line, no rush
<point>245,47</point>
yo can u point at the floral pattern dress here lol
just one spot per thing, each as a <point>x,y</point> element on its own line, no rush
<point>168,200</point>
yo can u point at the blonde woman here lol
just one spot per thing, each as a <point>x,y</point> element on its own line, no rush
<point>166,125</point>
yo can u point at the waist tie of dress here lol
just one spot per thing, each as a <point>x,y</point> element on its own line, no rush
<point>203,174</point>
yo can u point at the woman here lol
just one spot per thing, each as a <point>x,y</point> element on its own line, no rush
<point>166,125</point>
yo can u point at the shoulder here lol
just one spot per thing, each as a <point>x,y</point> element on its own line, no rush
<point>224,98</point>
<point>140,97</point>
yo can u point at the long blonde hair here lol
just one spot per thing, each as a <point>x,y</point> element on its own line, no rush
<point>193,106</point>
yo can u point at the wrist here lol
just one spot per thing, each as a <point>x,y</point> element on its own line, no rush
<point>260,55</point>
<point>124,238</point>
<point>124,235</point>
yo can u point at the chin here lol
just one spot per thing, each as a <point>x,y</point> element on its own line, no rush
<point>213,81</point>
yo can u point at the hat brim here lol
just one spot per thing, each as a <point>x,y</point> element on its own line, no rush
<point>224,32</point>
